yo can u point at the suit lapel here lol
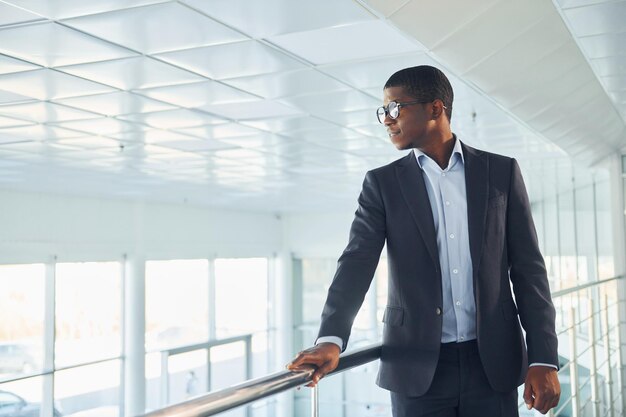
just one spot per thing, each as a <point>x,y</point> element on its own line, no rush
<point>413,190</point>
<point>477,190</point>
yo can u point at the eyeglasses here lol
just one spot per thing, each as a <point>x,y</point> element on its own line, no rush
<point>393,109</point>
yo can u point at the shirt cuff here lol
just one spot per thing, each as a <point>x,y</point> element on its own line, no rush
<point>330,339</point>
<point>543,364</point>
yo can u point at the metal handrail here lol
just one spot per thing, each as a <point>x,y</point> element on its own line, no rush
<point>560,293</point>
<point>255,389</point>
<point>249,391</point>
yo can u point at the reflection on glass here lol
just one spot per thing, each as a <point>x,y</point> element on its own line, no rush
<point>187,375</point>
<point>88,312</point>
<point>177,303</point>
<point>21,319</point>
<point>89,391</point>
<point>23,398</point>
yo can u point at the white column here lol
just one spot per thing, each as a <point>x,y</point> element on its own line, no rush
<point>47,403</point>
<point>134,334</point>
<point>283,317</point>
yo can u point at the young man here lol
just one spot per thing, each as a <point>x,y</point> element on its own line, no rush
<point>458,228</point>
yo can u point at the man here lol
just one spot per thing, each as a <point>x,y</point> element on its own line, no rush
<point>458,228</point>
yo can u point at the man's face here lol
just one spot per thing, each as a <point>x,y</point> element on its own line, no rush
<point>409,129</point>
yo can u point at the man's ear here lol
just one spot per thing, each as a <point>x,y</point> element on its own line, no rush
<point>438,109</point>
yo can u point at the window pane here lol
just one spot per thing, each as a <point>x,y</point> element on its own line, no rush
<point>21,319</point>
<point>187,375</point>
<point>88,312</point>
<point>241,299</point>
<point>317,275</point>
<point>23,398</point>
<point>92,387</point>
<point>177,303</point>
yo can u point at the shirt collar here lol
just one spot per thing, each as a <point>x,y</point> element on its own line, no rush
<point>420,156</point>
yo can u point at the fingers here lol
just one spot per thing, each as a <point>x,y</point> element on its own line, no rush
<point>545,401</point>
<point>528,396</point>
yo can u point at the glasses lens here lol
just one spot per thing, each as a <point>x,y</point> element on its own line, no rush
<point>394,109</point>
<point>380,114</point>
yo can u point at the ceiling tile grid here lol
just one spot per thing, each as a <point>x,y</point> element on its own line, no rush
<point>229,102</point>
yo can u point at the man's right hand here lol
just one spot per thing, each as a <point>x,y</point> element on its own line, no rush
<point>324,356</point>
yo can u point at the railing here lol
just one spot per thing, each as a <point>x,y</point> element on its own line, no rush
<point>589,342</point>
<point>226,399</point>
<point>166,354</point>
<point>592,317</point>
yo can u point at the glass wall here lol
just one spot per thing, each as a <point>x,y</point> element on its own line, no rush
<point>84,304</point>
<point>61,333</point>
<point>189,305</point>
<point>571,209</point>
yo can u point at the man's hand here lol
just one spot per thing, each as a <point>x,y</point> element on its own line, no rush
<point>324,356</point>
<point>542,389</point>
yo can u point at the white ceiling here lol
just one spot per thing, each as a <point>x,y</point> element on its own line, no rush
<point>270,105</point>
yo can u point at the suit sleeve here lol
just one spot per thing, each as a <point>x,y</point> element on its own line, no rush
<point>357,264</point>
<point>528,274</point>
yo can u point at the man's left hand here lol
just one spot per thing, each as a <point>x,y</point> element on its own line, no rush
<point>542,389</point>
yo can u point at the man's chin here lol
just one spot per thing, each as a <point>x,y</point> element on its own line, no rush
<point>402,146</point>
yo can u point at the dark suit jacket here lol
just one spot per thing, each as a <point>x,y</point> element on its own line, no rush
<point>394,206</point>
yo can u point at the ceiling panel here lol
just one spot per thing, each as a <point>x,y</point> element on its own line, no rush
<point>240,59</point>
<point>156,28</point>
<point>432,22</point>
<point>198,94</point>
<point>597,19</point>
<point>372,73</point>
<point>173,119</point>
<point>8,65</point>
<point>605,45</point>
<point>51,44</point>
<point>333,102</point>
<point>385,7</point>
<point>609,66</point>
<point>47,84</point>
<point>133,73</point>
<point>287,83</point>
<point>11,15</point>
<point>114,104</point>
<point>347,42</point>
<point>101,126</point>
<point>59,9</point>
<point>276,17</point>
<point>44,112</point>
<point>9,122</point>
<point>251,110</point>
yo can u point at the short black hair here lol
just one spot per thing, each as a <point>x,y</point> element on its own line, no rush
<point>424,83</point>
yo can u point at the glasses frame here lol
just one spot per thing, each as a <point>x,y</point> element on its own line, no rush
<point>399,105</point>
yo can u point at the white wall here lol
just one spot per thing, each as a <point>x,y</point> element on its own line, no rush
<point>35,227</point>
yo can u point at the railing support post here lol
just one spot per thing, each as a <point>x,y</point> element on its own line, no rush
<point>594,362</point>
<point>315,402</point>
<point>165,379</point>
<point>573,370</point>
<point>607,351</point>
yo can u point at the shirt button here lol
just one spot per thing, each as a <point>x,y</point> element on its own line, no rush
<point>447,203</point>
<point>443,174</point>
<point>451,235</point>
<point>438,311</point>
<point>458,303</point>
<point>455,271</point>
<point>462,338</point>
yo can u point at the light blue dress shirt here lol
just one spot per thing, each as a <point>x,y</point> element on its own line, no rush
<point>448,203</point>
